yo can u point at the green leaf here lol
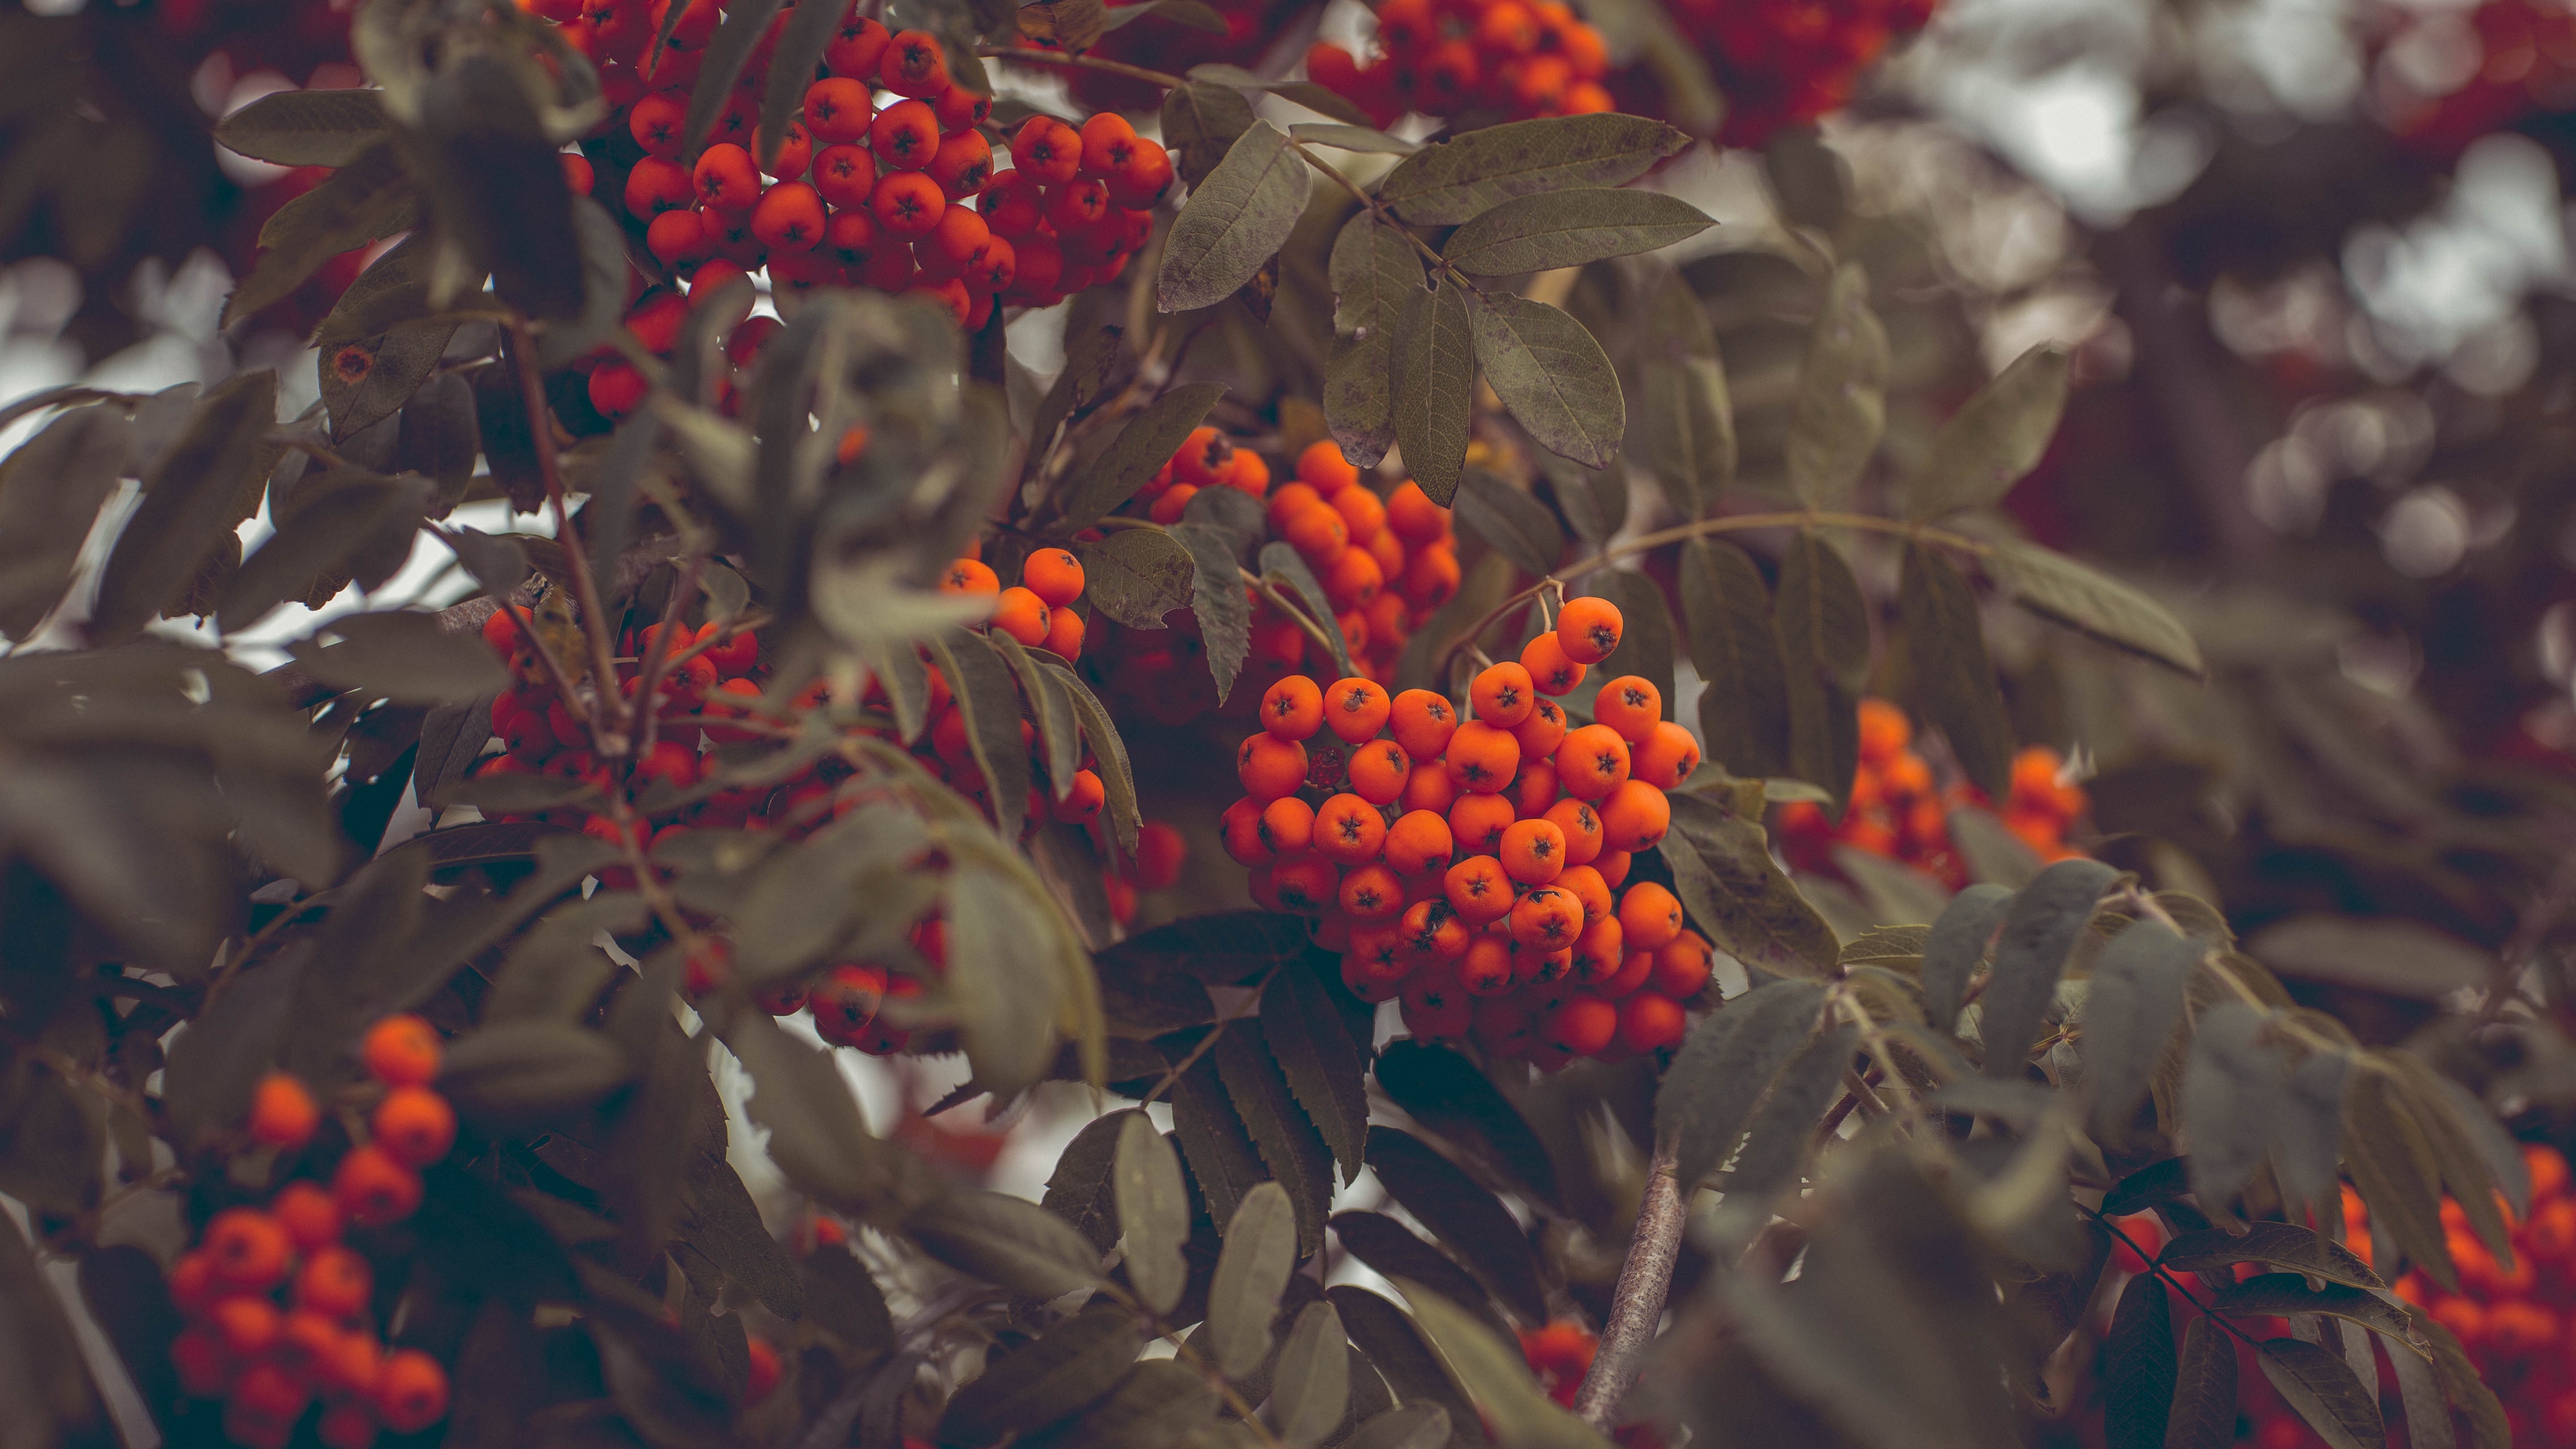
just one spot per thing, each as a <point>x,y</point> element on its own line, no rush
<point>1289,1144</point>
<point>746,24</point>
<point>1005,1240</point>
<point>1470,1221</point>
<point>1052,705</point>
<point>1154,1212</point>
<point>1783,1129</point>
<point>2478,1160</point>
<point>1516,525</point>
<point>1216,598</point>
<point>1735,893</point>
<point>2039,933</point>
<point>816,1135</point>
<point>1414,1426</point>
<point>999,975</point>
<point>1996,439</point>
<point>1136,576</point>
<point>307,127</point>
<point>409,658</point>
<point>330,521</point>
<point>1202,122</point>
<point>1570,227</point>
<point>981,685</point>
<point>1089,363</point>
<point>1391,1250</point>
<point>1312,1383</point>
<point>1053,1377</point>
<point>604,270</point>
<point>1189,13</point>
<point>792,62</point>
<point>201,488</point>
<point>51,489</point>
<point>1646,646</point>
<point>1735,646</point>
<point>1322,1064</point>
<point>2386,954</point>
<point>1497,1377</point>
<point>1142,447</point>
<point>1108,749</point>
<point>1724,1066</point>
<point>498,186</point>
<point>1234,222</point>
<point>1434,358</point>
<point>1953,680</point>
<point>2275,1244</point>
<point>1343,137</point>
<point>1992,852</point>
<point>1593,500</point>
<point>2065,592</point>
<point>2322,1388</point>
<point>719,1219</point>
<point>2463,1388</point>
<point>842,1299</point>
<point>521,1071</point>
<point>2230,1086</point>
<point>1445,1092</point>
<point>2139,1368</point>
<point>1374,271</point>
<point>1689,438</point>
<point>1824,648</point>
<point>1461,178</point>
<point>1214,1145</point>
<point>2428,1413</point>
<point>1251,1271</point>
<point>370,197</point>
<point>1222,947</point>
<point>1282,565</point>
<point>1400,1351</point>
<point>2129,1018</point>
<point>2285,1295</point>
<point>1841,403</point>
<point>2203,1415</point>
<point>1159,1405</point>
<point>1319,99</point>
<point>1552,375</point>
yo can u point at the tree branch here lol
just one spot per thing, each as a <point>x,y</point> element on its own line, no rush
<point>1637,1304</point>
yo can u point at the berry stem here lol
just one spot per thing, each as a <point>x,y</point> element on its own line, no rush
<point>1637,1303</point>
<point>611,734</point>
<point>1278,598</point>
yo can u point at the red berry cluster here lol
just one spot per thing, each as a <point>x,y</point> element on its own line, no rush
<point>1384,564</point>
<point>1491,60</point>
<point>887,182</point>
<point>712,685</point>
<point>1897,810</point>
<point>1559,1355</point>
<point>1781,62</point>
<point>1468,867</point>
<point>280,1311</point>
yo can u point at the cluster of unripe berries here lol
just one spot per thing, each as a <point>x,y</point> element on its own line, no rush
<point>280,1310</point>
<point>887,180</point>
<point>1897,809</point>
<point>1472,868</point>
<point>1782,62</point>
<point>1472,60</point>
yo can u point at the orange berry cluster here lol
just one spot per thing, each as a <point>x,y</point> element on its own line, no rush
<point>280,1311</point>
<point>1505,60</point>
<point>1782,62</point>
<point>1472,867</point>
<point>1897,810</point>
<point>887,181</point>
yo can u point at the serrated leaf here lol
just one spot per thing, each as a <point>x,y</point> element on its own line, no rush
<point>2285,1295</point>
<point>1282,564</point>
<point>1516,525</point>
<point>1445,1092</point>
<point>1312,1383</point>
<point>1153,1212</point>
<point>746,24</point>
<point>1289,1144</point>
<point>1469,1220</point>
<point>203,486</point>
<point>1570,227</point>
<point>842,1298</point>
<point>1461,178</point>
<point>1783,1128</point>
<point>1374,270</point>
<point>1089,362</point>
<point>332,520</point>
<point>2139,1368</point>
<point>1343,137</point>
<point>1221,947</point>
<point>2428,1414</point>
<point>1400,1351</point>
<point>1953,680</point>
<point>1552,375</point>
<point>1735,893</point>
<point>1744,711</point>
<point>1841,404</point>
<point>1234,222</point>
<point>1159,1405</point>
<point>1143,446</point>
<point>792,61</point>
<point>1053,1377</point>
<point>1251,1271</point>
<point>307,127</point>
<point>51,489</point>
<point>498,186</point>
<point>2386,954</point>
<point>998,972</point>
<point>2394,1170</point>
<point>2463,1388</point>
<point>1320,1061</point>
<point>1108,749</point>
<point>2039,933</point>
<point>1434,358</point>
<point>2321,1387</point>
<point>1216,599</point>
<point>2065,592</point>
<point>521,1071</point>
<point>718,1218</point>
<point>980,684</point>
<point>1724,1066</point>
<point>2203,1414</point>
<point>1996,438</point>
<point>1824,646</point>
<point>1136,576</point>
<point>816,1135</point>
<point>1202,121</point>
<point>1005,1240</point>
<point>2129,1018</point>
<point>1391,1250</point>
<point>368,198</point>
<point>1214,1145</point>
<point>1058,732</point>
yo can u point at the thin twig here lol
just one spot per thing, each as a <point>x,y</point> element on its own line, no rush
<point>1279,600</point>
<point>1637,1303</point>
<point>1215,1029</point>
<point>611,739</point>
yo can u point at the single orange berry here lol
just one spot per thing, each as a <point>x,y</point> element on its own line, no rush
<point>283,1113</point>
<point>1482,757</point>
<point>1650,916</point>
<point>969,576</point>
<point>1550,671</point>
<point>1581,1026</point>
<point>1287,826</point>
<point>1064,633</point>
<point>1582,827</point>
<point>1293,709</point>
<point>411,1391</point>
<point>1634,817</point>
<point>1631,705</point>
<point>1543,731</point>
<point>1591,762</point>
<point>335,1282</point>
<point>1418,841</point>
<point>1323,468</point>
<point>1502,695</point>
<point>1477,888</point>
<point>247,1249</point>
<point>1422,722</point>
<point>307,1214</point>
<point>1356,709</point>
<point>1547,919</point>
<point>373,1189</point>
<point>1533,851</point>
<point>415,1125</point>
<point>1477,822</point>
<point>1587,887</point>
<point>1269,766</point>
<point>1667,756</point>
<point>402,1051</point>
<point>1022,615</point>
<point>1588,629</point>
<point>1348,830</point>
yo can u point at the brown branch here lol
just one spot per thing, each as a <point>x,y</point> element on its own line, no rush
<point>610,738</point>
<point>1637,1304</point>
